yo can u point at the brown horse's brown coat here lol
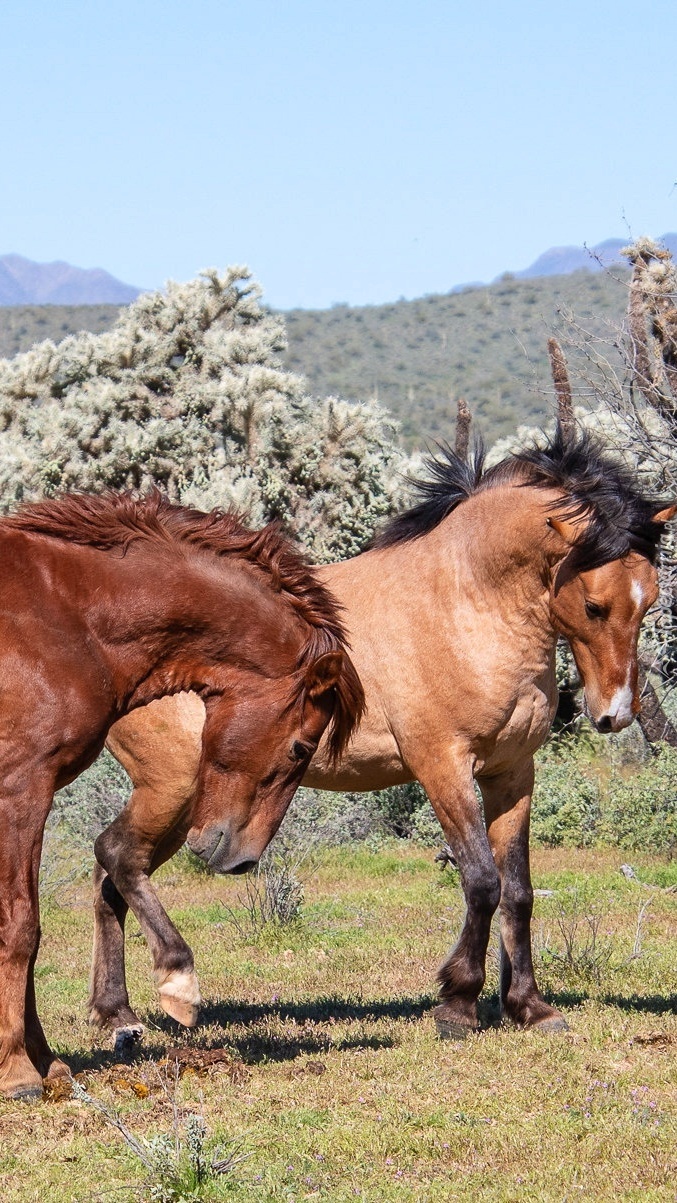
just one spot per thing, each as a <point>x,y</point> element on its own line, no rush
<point>105,604</point>
<point>453,633</point>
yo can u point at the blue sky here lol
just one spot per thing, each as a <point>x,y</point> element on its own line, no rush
<point>352,151</point>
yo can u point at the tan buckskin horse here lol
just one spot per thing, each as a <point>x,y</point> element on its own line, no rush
<point>453,617</point>
<point>107,603</point>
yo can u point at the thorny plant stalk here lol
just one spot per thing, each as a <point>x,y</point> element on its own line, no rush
<point>273,893</point>
<point>113,1119</point>
<point>170,1180</point>
<point>639,930</point>
<point>585,953</point>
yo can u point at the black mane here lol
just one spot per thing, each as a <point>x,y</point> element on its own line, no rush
<point>592,482</point>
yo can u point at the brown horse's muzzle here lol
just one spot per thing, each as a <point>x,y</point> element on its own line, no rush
<point>214,845</point>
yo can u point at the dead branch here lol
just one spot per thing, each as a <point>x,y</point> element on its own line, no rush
<point>463,424</point>
<point>560,377</point>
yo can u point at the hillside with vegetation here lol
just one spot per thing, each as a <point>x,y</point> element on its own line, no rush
<point>487,344</point>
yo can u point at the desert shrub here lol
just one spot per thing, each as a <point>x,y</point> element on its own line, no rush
<point>187,391</point>
<point>566,806</point>
<point>318,818</point>
<point>589,790</point>
<point>641,810</point>
<point>407,813</point>
<point>82,809</point>
<point>398,804</point>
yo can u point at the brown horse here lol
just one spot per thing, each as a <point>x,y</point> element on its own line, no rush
<point>453,618</point>
<point>107,603</point>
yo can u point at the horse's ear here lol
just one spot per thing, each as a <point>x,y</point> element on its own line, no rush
<point>568,529</point>
<point>324,674</point>
<point>665,514</point>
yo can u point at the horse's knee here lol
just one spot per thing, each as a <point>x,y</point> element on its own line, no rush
<point>119,854</point>
<point>517,900</point>
<point>482,889</point>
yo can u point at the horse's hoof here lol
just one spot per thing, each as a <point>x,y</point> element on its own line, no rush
<point>57,1071</point>
<point>452,1028</point>
<point>126,1037</point>
<point>180,997</point>
<point>31,1092</point>
<point>554,1023</point>
<point>184,1013</point>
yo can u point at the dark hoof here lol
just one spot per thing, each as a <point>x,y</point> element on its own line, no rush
<point>26,1094</point>
<point>451,1028</point>
<point>555,1023</point>
<point>127,1037</point>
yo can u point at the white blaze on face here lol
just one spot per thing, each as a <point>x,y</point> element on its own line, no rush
<point>620,706</point>
<point>637,594</point>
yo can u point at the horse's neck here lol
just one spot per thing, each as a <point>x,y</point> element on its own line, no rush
<point>166,623</point>
<point>487,558</point>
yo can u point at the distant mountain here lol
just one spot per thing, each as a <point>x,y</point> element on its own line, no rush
<point>23,282</point>
<point>562,260</point>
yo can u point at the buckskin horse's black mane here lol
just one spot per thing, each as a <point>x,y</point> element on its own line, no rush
<point>591,481</point>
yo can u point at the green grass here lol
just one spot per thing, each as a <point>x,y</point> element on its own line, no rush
<point>343,1091</point>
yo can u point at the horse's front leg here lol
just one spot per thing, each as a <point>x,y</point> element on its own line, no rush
<point>24,1053</point>
<point>507,803</point>
<point>449,785</point>
<point>48,1065</point>
<point>127,855</point>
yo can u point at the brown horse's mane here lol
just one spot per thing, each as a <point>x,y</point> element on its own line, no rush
<point>574,462</point>
<point>111,520</point>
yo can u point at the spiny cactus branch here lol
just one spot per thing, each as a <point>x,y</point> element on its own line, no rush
<point>560,377</point>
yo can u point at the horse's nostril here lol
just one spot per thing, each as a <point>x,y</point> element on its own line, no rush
<point>603,724</point>
<point>244,866</point>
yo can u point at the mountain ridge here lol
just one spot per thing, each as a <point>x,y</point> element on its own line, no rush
<point>24,282</point>
<point>563,260</point>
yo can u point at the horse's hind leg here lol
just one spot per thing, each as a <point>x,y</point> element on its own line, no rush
<point>507,801</point>
<point>127,856</point>
<point>108,999</point>
<point>450,789</point>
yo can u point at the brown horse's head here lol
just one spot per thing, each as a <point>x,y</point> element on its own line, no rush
<point>599,610</point>
<point>257,743</point>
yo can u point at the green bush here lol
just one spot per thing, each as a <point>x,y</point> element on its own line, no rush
<point>587,792</point>
<point>641,812</point>
<point>567,800</point>
<point>83,808</point>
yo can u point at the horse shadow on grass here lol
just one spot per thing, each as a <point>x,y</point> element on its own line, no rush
<point>259,1043</point>
<point>649,1004</point>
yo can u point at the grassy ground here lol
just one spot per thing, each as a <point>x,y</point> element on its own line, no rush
<point>333,1080</point>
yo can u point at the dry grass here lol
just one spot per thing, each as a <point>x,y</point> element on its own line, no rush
<point>334,1081</point>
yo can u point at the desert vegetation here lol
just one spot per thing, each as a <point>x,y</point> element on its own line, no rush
<point>486,343</point>
<point>315,1072</point>
<point>317,1064</point>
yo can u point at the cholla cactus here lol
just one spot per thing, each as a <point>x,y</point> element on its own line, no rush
<point>187,391</point>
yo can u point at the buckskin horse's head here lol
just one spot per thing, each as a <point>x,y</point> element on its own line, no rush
<point>599,610</point>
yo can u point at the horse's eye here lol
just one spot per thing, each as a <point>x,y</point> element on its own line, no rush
<point>593,610</point>
<point>301,751</point>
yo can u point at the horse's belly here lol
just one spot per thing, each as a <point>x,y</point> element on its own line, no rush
<point>372,761</point>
